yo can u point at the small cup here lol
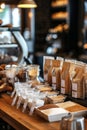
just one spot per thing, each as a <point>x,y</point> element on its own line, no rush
<point>72,123</point>
<point>64,122</point>
<point>79,123</point>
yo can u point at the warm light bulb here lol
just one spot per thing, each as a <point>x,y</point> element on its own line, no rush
<point>27,4</point>
<point>30,14</point>
<point>85,46</point>
<point>3,5</point>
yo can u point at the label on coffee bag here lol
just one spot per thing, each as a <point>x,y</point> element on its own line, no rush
<point>53,79</point>
<point>74,86</point>
<point>62,90</point>
<point>62,83</point>
<point>74,94</point>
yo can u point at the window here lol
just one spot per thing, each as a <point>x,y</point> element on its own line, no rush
<point>11,15</point>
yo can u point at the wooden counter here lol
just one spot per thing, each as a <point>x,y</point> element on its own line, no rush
<point>23,121</point>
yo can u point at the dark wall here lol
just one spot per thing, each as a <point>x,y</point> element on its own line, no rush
<point>42,23</point>
<point>76,24</point>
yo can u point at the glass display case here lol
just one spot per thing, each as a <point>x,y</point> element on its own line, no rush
<point>13,47</point>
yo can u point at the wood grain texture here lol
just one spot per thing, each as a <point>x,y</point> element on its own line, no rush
<point>23,121</point>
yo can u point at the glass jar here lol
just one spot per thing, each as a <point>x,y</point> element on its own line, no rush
<point>33,71</point>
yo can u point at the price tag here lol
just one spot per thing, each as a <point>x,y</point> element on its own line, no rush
<point>62,90</point>
<point>74,94</point>
<point>74,86</point>
<point>46,77</point>
<point>62,83</point>
<point>54,86</point>
<point>53,79</point>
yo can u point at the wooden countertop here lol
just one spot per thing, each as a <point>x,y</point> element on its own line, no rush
<point>23,121</point>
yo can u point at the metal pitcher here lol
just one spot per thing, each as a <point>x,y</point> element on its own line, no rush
<point>72,123</point>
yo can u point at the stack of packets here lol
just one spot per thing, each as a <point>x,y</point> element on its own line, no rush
<point>85,82</point>
<point>29,95</point>
<point>67,76</point>
<point>52,70</point>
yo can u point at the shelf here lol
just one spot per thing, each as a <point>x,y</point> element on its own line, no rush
<point>8,45</point>
<point>59,28</point>
<point>3,28</point>
<point>59,16</point>
<point>59,4</point>
<point>59,13</point>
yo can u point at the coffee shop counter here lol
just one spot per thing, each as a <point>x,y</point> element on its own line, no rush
<point>23,121</point>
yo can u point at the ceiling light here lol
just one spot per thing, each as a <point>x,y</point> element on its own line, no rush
<point>27,4</point>
<point>3,5</point>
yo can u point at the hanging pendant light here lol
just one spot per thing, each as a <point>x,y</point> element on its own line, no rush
<point>27,4</point>
<point>2,6</point>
